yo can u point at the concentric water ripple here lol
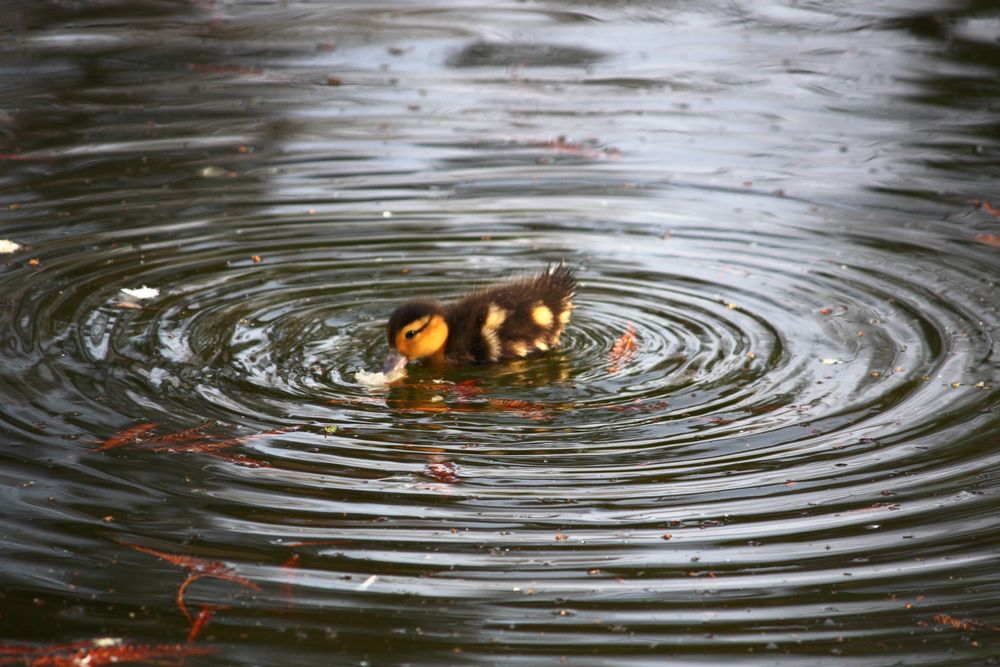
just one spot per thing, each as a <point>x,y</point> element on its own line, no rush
<point>778,427</point>
<point>768,436</point>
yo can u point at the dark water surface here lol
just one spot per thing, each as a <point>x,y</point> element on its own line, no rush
<point>797,464</point>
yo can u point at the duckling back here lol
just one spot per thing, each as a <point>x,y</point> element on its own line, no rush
<point>511,320</point>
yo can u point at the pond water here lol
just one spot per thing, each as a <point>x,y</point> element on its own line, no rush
<point>769,437</point>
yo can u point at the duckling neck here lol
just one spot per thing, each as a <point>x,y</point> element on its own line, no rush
<point>437,359</point>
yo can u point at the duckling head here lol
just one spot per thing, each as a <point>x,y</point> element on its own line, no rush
<point>416,330</point>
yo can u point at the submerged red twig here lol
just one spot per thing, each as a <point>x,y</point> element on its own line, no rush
<point>129,436</point>
<point>95,653</point>
<point>623,349</point>
<point>988,208</point>
<point>289,568</point>
<point>964,625</point>
<point>446,472</point>
<point>198,567</point>
<point>191,440</point>
<point>989,239</point>
<point>204,616</point>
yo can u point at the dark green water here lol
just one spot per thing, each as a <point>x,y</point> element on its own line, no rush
<point>797,466</point>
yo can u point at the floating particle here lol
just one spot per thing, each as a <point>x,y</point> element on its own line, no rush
<point>989,239</point>
<point>7,246</point>
<point>985,205</point>
<point>212,172</point>
<point>828,361</point>
<point>141,292</point>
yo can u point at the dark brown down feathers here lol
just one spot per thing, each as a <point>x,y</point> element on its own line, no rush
<point>511,320</point>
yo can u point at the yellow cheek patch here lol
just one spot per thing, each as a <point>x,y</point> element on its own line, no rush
<point>564,315</point>
<point>542,316</point>
<point>428,341</point>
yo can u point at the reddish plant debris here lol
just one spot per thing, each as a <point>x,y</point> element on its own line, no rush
<point>446,472</point>
<point>561,537</point>
<point>207,445</point>
<point>289,567</point>
<point>986,207</point>
<point>187,434</point>
<point>590,148</point>
<point>239,460</point>
<point>623,349</point>
<point>34,261</point>
<point>536,411</point>
<point>204,616</point>
<point>719,420</point>
<point>666,536</point>
<point>257,259</point>
<point>639,406</point>
<point>462,390</point>
<point>198,568</point>
<point>94,653</point>
<point>989,239</point>
<point>192,440</point>
<point>468,389</point>
<point>20,650</point>
<point>129,436</point>
<point>968,625</point>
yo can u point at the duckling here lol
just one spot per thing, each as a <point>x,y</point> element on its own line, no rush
<point>512,320</point>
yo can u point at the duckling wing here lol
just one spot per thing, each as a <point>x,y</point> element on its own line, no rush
<point>512,320</point>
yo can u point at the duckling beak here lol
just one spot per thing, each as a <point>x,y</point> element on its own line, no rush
<point>394,364</point>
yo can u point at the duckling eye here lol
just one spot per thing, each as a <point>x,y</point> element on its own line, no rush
<point>411,333</point>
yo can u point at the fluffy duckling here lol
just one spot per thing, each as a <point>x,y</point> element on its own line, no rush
<point>511,320</point>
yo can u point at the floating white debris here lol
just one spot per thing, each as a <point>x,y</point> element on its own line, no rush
<point>378,379</point>
<point>107,642</point>
<point>142,292</point>
<point>830,362</point>
<point>7,247</point>
<point>212,172</point>
<point>367,582</point>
